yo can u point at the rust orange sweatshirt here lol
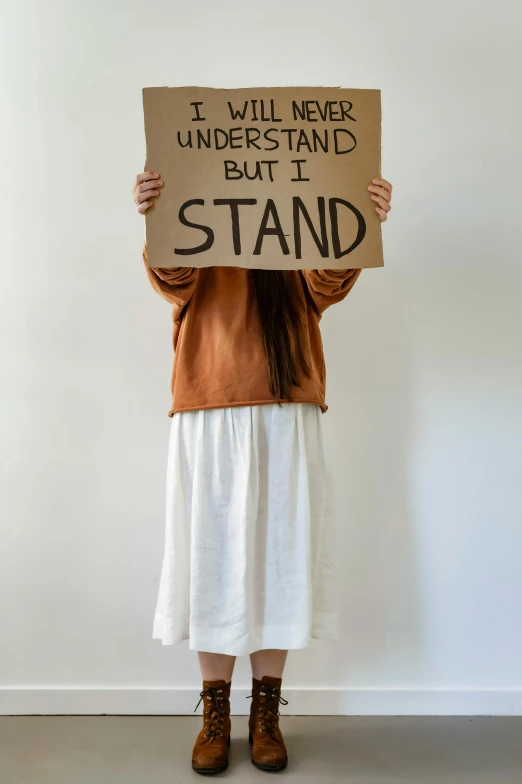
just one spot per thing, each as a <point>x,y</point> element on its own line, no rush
<point>219,356</point>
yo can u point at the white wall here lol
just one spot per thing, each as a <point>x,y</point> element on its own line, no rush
<point>424,357</point>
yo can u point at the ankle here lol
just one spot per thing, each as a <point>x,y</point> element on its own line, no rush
<point>275,680</point>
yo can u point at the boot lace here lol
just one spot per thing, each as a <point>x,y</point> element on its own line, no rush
<point>268,713</point>
<point>213,712</point>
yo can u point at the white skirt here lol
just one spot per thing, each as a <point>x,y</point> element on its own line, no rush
<point>249,559</point>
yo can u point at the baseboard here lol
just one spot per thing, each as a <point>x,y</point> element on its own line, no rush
<point>301,702</point>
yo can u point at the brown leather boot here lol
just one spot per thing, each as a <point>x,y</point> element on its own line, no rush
<point>268,746</point>
<point>210,753</point>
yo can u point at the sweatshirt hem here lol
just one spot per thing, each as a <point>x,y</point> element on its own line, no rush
<point>181,409</point>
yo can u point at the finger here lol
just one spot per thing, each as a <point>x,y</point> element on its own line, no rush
<point>380,192</point>
<point>144,176</point>
<point>148,185</point>
<point>381,202</point>
<point>383,215</point>
<point>141,197</point>
<point>383,183</point>
<point>142,209</point>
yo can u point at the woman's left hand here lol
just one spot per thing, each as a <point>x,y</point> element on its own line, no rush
<point>381,193</point>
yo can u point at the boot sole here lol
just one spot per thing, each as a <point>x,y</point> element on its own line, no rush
<point>262,765</point>
<point>212,771</point>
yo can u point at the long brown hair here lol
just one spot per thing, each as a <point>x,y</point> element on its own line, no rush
<point>279,309</point>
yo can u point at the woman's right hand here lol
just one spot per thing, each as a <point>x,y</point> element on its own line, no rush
<point>145,190</point>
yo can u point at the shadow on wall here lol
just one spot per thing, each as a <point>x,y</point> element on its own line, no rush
<point>369,427</point>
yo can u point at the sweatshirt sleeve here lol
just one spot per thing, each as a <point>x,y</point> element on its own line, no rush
<point>329,286</point>
<point>175,284</point>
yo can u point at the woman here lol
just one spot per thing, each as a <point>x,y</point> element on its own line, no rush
<point>249,566</point>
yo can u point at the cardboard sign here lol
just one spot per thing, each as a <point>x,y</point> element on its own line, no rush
<point>263,178</point>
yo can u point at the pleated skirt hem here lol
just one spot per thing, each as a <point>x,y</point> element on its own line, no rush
<point>229,642</point>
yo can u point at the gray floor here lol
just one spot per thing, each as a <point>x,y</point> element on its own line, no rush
<point>151,749</point>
